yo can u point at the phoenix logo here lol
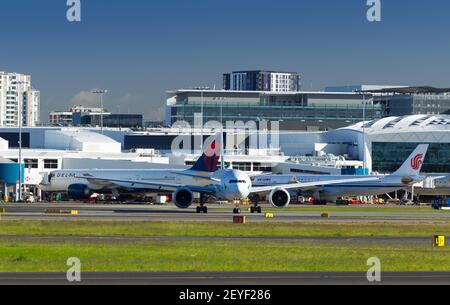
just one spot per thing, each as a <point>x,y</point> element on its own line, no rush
<point>417,161</point>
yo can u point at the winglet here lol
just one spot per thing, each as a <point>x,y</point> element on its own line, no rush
<point>209,161</point>
<point>413,165</point>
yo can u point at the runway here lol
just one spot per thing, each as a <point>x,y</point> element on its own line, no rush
<point>257,279</point>
<point>217,213</point>
<point>419,240</point>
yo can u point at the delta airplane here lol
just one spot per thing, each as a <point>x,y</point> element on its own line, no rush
<point>204,178</point>
<point>404,178</point>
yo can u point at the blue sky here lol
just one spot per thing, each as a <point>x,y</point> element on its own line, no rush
<point>138,49</point>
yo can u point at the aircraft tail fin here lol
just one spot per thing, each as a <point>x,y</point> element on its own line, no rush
<point>209,160</point>
<point>413,165</point>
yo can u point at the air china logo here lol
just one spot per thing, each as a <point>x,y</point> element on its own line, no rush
<point>417,161</point>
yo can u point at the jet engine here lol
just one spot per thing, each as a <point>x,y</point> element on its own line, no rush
<point>183,198</point>
<point>78,192</point>
<point>280,198</point>
<point>407,180</point>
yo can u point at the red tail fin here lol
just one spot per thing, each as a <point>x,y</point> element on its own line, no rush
<point>210,159</point>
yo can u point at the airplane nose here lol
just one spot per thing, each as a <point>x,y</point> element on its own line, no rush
<point>244,191</point>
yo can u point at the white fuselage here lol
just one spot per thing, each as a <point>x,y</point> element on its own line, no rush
<point>383,185</point>
<point>230,184</point>
<point>61,180</point>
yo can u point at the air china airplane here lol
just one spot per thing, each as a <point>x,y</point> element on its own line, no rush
<point>404,178</point>
<point>204,178</point>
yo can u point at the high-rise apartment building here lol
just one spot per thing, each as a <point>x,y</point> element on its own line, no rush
<point>18,100</point>
<point>262,81</point>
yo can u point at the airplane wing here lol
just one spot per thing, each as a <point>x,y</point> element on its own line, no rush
<point>308,185</point>
<point>139,184</point>
<point>198,176</point>
<point>257,174</point>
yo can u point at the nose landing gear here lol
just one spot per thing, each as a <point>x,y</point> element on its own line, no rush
<point>237,209</point>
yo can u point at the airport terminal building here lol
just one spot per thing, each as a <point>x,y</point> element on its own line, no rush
<point>403,100</point>
<point>392,139</point>
<point>379,145</point>
<point>388,142</point>
<point>294,110</point>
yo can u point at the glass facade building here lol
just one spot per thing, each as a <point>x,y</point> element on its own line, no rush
<point>124,120</point>
<point>411,104</point>
<point>388,157</point>
<point>301,109</point>
<point>114,120</point>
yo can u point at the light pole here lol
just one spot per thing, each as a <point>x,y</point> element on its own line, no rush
<point>202,90</point>
<point>364,132</point>
<point>101,92</point>
<point>20,118</point>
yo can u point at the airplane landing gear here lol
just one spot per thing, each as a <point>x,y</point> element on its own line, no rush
<point>237,209</point>
<point>255,208</point>
<point>202,208</point>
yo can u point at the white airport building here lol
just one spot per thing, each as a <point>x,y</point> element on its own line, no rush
<point>387,143</point>
<point>47,149</point>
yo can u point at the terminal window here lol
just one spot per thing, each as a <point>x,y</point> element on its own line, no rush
<point>31,163</point>
<point>243,166</point>
<point>51,164</point>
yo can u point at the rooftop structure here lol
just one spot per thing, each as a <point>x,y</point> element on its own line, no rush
<point>260,80</point>
<point>91,117</point>
<point>404,100</point>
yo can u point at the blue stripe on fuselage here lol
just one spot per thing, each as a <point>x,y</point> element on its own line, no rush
<point>368,185</point>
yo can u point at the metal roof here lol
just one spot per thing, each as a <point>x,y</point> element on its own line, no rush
<point>411,90</point>
<point>413,123</point>
<point>180,91</point>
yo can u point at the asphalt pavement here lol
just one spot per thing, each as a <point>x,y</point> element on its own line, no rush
<point>256,279</point>
<point>216,213</point>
